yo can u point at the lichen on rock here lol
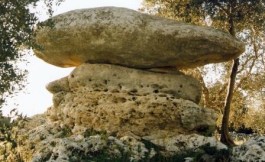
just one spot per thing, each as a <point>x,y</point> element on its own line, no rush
<point>120,100</point>
<point>251,150</point>
<point>128,38</point>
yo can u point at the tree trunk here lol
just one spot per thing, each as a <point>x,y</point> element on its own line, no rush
<point>225,137</point>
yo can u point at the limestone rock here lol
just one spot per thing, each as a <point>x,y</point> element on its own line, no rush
<point>129,38</point>
<point>43,140</point>
<point>182,143</point>
<point>54,142</point>
<point>121,101</point>
<point>252,150</point>
<point>114,79</point>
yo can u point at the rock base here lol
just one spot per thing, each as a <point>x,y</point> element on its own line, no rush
<point>54,142</point>
<point>124,101</point>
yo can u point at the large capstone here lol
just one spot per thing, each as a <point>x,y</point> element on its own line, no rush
<point>126,37</point>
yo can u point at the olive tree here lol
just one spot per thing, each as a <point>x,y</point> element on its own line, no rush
<point>233,16</point>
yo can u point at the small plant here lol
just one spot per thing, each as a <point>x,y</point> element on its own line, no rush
<point>65,131</point>
<point>9,127</point>
<point>92,132</point>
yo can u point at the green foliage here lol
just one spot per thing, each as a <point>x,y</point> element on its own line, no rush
<point>92,132</point>
<point>9,132</point>
<point>255,120</point>
<point>16,26</point>
<point>243,12</point>
<point>17,31</point>
<point>181,10</point>
<point>8,126</point>
<point>65,132</point>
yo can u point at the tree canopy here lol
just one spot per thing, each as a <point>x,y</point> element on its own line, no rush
<point>16,29</point>
<point>17,24</point>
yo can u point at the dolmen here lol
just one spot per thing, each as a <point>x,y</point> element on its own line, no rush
<point>126,82</point>
<point>117,85</point>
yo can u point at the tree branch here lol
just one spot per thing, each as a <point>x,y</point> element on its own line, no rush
<point>247,75</point>
<point>218,4</point>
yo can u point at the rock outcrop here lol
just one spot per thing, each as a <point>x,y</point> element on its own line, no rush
<point>117,79</point>
<point>121,100</point>
<point>42,140</point>
<point>251,150</point>
<point>125,37</point>
<point>126,99</point>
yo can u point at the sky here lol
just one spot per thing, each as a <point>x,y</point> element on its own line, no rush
<point>36,99</point>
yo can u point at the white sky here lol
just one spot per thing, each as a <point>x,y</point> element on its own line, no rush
<point>37,99</point>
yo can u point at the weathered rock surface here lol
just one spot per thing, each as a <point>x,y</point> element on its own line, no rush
<point>173,145</point>
<point>117,79</point>
<point>43,140</point>
<point>121,101</point>
<point>252,150</point>
<point>54,142</point>
<point>129,38</point>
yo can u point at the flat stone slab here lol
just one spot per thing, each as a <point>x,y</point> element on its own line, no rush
<point>129,38</point>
